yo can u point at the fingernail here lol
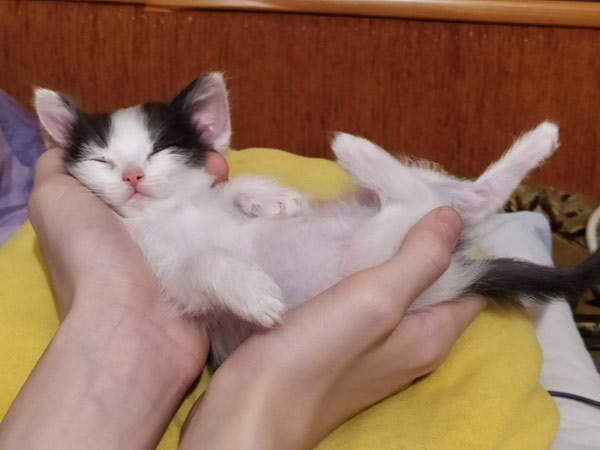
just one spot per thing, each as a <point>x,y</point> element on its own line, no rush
<point>450,222</point>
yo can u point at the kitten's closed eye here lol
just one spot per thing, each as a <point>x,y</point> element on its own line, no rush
<point>109,162</point>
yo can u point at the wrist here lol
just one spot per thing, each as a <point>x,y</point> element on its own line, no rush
<point>262,413</point>
<point>141,312</point>
<point>111,378</point>
<point>119,336</point>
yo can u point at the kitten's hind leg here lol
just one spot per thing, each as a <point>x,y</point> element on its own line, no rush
<point>488,193</point>
<point>375,169</point>
<point>263,197</point>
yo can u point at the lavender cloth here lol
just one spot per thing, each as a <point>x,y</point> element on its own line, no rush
<point>20,147</point>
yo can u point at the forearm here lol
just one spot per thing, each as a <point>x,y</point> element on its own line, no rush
<point>237,414</point>
<point>112,383</point>
<point>249,405</point>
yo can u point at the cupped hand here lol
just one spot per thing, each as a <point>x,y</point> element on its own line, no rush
<point>89,251</point>
<point>85,245</point>
<point>338,353</point>
<point>120,361</point>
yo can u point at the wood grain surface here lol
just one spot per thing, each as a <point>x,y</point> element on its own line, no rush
<point>455,93</point>
<point>541,12</point>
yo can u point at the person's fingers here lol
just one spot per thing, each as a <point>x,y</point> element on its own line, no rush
<point>216,165</point>
<point>423,257</point>
<point>431,332</point>
<point>450,319</point>
<point>388,290</point>
<point>370,304</point>
<point>49,163</point>
<point>50,186</point>
<point>419,344</point>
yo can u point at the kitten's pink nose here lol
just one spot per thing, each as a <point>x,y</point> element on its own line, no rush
<point>133,176</point>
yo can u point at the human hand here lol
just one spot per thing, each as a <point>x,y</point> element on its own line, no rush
<point>85,245</point>
<point>336,354</point>
<point>88,252</point>
<point>120,362</point>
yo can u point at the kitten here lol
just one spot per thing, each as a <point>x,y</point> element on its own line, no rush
<point>239,254</point>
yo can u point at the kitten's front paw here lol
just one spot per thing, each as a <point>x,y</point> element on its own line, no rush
<point>286,204</point>
<point>268,313</point>
<point>254,297</point>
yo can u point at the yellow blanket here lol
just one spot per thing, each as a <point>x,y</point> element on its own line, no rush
<point>485,396</point>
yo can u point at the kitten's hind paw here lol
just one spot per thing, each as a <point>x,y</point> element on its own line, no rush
<point>368,164</point>
<point>358,156</point>
<point>548,130</point>
<point>537,144</point>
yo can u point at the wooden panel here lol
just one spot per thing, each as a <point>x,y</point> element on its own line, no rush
<point>546,12</point>
<point>452,92</point>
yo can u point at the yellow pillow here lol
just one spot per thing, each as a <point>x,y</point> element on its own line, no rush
<point>485,396</point>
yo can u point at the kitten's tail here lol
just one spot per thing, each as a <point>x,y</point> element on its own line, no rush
<point>507,280</point>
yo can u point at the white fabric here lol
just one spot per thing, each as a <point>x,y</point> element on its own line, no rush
<point>567,365</point>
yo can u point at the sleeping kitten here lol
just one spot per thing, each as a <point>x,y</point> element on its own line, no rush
<point>240,253</point>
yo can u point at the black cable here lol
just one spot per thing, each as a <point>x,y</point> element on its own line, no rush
<point>579,398</point>
<point>593,347</point>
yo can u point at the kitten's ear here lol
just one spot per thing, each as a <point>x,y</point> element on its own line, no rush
<point>57,115</point>
<point>204,101</point>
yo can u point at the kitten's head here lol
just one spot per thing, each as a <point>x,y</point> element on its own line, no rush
<point>144,157</point>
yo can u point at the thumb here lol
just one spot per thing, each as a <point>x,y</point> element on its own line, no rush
<point>423,257</point>
<point>216,165</point>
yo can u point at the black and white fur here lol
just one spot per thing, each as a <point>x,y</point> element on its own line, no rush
<point>239,254</point>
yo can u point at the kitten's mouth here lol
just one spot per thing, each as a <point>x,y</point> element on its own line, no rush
<point>138,195</point>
